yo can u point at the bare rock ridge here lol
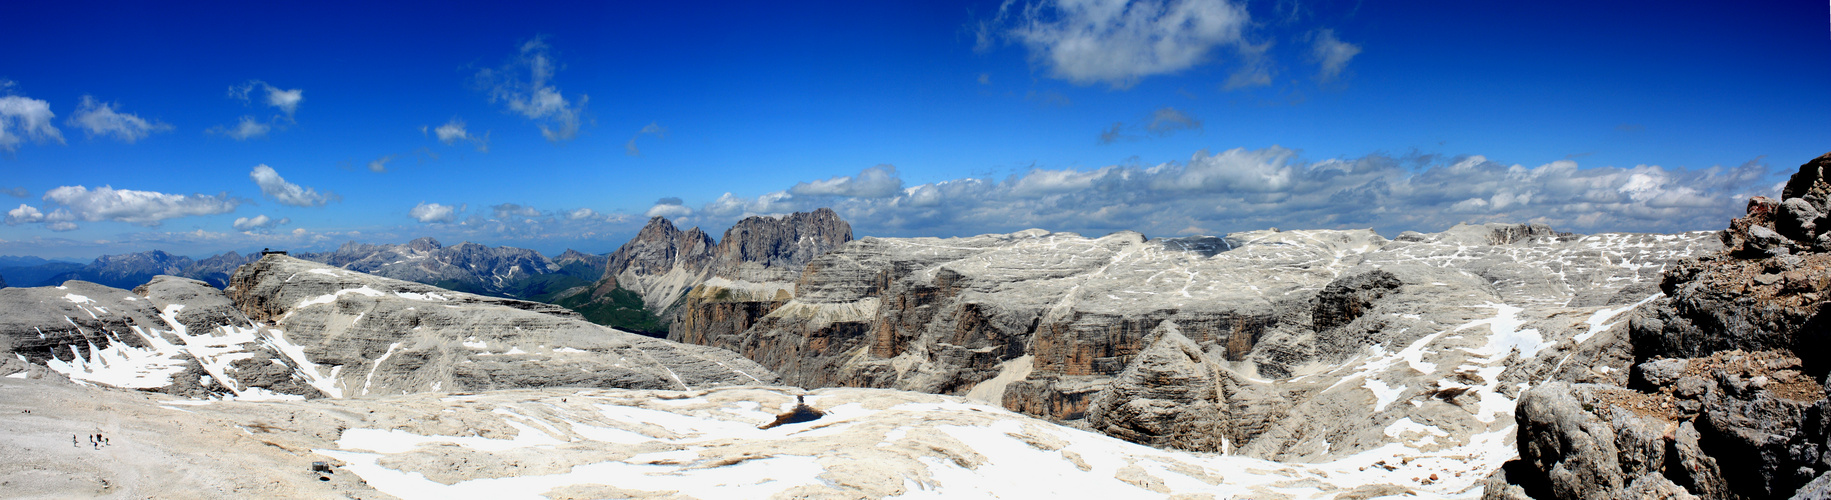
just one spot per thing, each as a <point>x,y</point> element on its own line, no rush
<point>1313,345</point>
<point>290,328</point>
<point>468,267</point>
<point>1726,398</point>
<point>683,276</point>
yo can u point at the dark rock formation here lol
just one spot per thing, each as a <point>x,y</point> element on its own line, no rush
<point>1347,298</point>
<point>698,287</point>
<point>1728,388</point>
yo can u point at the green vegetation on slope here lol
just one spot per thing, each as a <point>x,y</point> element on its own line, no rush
<point>620,309</point>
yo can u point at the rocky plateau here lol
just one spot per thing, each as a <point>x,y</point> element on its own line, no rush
<point>1495,361</point>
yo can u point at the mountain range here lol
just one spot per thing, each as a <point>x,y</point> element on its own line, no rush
<point>1505,361</point>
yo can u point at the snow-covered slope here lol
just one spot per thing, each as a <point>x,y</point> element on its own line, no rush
<point>289,328</point>
<point>705,444</point>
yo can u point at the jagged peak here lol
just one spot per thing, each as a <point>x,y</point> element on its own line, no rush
<point>659,223</point>
<point>424,244</point>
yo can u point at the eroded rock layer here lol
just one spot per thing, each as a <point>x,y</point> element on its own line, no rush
<point>1322,343</point>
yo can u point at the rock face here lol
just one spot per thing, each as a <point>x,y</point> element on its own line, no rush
<point>289,328</point>
<point>1148,403</point>
<point>409,337</point>
<point>1316,344</point>
<point>697,286</point>
<point>659,264</point>
<point>1727,388</point>
<point>173,335</point>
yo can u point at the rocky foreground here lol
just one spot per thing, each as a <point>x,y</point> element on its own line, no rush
<point>1727,395</point>
<point>593,443</point>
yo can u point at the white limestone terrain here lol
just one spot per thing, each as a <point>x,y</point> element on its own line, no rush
<point>1271,364</point>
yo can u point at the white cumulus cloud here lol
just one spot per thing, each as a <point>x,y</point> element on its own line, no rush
<point>100,119</point>
<point>25,214</point>
<point>430,213</point>
<point>247,128</point>
<point>24,118</point>
<point>146,208</point>
<point>277,189</point>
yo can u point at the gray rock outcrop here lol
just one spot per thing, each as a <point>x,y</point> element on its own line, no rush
<point>1727,388</point>
<point>1168,397</point>
<point>290,328</point>
<point>1322,341</point>
<point>695,285</point>
<point>394,336</point>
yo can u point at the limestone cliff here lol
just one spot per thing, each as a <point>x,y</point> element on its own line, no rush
<point>1323,340</point>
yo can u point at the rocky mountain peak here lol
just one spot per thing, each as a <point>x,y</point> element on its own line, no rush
<point>426,244</point>
<point>775,249</point>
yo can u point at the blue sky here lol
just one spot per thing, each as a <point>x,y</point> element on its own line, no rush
<point>129,127</point>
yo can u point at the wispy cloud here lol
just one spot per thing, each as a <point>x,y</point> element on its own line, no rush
<point>100,119</point>
<point>258,223</point>
<point>380,165</point>
<point>1118,42</point>
<point>277,189</point>
<point>669,207</point>
<point>653,128</point>
<point>1162,122</point>
<point>876,182</point>
<point>453,132</point>
<point>507,211</point>
<point>24,118</point>
<point>525,85</point>
<point>247,128</point>
<point>287,101</point>
<point>1255,68</point>
<point>1331,54</point>
<point>1168,120</point>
